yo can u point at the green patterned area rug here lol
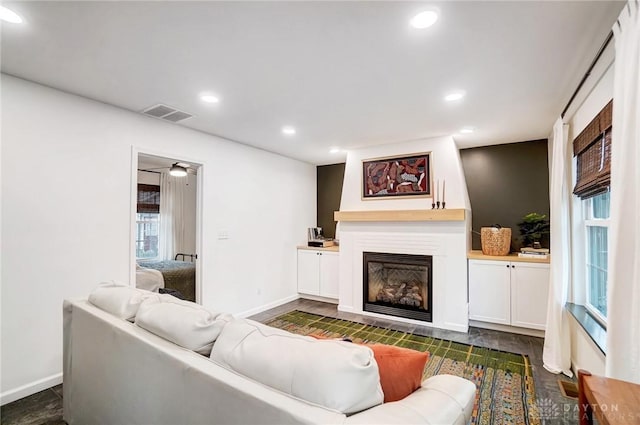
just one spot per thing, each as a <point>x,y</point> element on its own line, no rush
<point>505,394</point>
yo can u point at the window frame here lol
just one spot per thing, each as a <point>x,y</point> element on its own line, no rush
<point>143,222</point>
<point>590,221</point>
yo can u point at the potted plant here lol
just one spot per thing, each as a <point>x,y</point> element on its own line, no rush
<point>532,227</point>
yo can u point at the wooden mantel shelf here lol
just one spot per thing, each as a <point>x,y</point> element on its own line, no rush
<point>401,215</point>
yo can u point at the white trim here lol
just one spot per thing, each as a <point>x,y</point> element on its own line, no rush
<point>456,327</point>
<point>318,298</point>
<point>597,316</point>
<point>345,308</point>
<point>506,328</point>
<point>588,221</point>
<point>30,388</point>
<point>268,306</point>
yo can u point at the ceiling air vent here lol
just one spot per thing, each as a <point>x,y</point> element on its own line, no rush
<point>166,113</point>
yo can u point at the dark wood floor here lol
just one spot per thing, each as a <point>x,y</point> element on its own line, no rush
<point>45,407</point>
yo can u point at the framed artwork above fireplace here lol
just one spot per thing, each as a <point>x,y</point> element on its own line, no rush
<point>397,177</point>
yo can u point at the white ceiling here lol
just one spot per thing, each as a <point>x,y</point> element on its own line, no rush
<point>347,74</point>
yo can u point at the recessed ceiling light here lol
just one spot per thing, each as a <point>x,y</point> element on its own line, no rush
<point>209,98</point>
<point>288,130</point>
<point>467,130</point>
<point>9,15</point>
<point>424,19</point>
<point>453,96</point>
<point>335,150</point>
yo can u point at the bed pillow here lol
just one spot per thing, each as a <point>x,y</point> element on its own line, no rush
<point>337,375</point>
<point>119,299</point>
<point>184,323</point>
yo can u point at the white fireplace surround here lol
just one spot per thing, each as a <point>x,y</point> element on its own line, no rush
<point>445,241</point>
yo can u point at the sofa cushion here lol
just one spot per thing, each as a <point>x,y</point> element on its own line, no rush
<point>442,399</point>
<point>335,374</point>
<point>119,299</point>
<point>400,368</point>
<point>184,323</point>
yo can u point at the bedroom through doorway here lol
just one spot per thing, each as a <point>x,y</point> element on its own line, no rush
<point>166,226</point>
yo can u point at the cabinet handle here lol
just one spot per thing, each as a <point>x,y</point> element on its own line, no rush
<point>513,267</point>
<point>507,266</point>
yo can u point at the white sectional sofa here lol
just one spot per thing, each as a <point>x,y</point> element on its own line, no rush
<point>116,372</point>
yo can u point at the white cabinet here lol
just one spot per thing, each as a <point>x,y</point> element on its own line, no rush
<point>529,295</point>
<point>509,293</point>
<point>490,291</point>
<point>318,273</point>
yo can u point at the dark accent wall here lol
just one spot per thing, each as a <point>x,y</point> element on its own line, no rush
<point>506,182</point>
<point>329,181</point>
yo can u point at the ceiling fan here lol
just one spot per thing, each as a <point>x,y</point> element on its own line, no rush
<point>178,169</point>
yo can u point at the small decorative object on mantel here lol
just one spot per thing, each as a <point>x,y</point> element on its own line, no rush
<point>495,240</point>
<point>436,200</point>
<point>397,177</point>
<point>532,227</point>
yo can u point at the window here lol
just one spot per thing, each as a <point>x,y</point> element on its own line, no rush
<point>147,221</point>
<point>592,149</point>
<point>596,220</point>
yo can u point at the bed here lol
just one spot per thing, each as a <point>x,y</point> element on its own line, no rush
<point>178,275</point>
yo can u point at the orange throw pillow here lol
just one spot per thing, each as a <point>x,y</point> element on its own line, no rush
<point>400,370</point>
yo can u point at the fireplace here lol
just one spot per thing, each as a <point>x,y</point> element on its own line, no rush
<point>398,285</point>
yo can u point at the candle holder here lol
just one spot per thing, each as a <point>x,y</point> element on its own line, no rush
<point>433,206</point>
<point>443,204</point>
<point>438,204</point>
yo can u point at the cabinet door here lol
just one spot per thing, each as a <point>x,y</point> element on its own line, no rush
<point>329,271</point>
<point>529,294</point>
<point>308,272</point>
<point>489,291</point>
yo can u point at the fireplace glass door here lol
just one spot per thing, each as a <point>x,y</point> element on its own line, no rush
<point>398,285</point>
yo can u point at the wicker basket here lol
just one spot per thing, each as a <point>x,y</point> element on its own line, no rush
<point>495,241</point>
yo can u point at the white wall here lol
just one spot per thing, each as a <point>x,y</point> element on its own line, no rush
<point>146,177</point>
<point>445,163</point>
<point>67,228</point>
<point>584,352</point>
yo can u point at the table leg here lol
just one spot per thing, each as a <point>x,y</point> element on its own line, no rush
<point>584,407</point>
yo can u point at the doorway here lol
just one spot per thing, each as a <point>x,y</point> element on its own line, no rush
<point>166,225</point>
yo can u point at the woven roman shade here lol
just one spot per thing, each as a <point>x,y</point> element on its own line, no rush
<point>148,198</point>
<point>592,148</point>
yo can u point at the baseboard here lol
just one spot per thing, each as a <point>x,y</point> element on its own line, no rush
<point>345,308</point>
<point>507,328</point>
<point>269,306</point>
<point>31,388</point>
<point>318,298</point>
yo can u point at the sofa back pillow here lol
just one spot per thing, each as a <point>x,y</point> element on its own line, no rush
<point>184,323</point>
<point>119,299</point>
<point>335,374</point>
<point>401,369</point>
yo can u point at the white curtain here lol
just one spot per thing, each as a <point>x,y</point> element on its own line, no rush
<point>556,355</point>
<point>623,294</point>
<point>171,238</point>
